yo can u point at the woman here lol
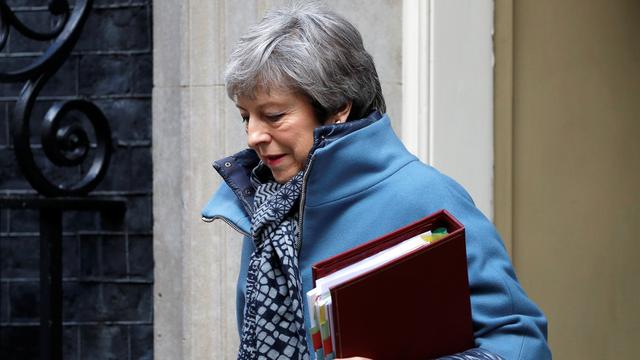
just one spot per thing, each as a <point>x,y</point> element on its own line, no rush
<point>324,173</point>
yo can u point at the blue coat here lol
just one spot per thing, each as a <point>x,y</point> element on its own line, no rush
<point>361,183</point>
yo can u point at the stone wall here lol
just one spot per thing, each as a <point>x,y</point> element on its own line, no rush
<point>107,268</point>
<point>197,262</point>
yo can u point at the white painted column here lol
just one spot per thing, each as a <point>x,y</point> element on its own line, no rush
<point>416,78</point>
<point>448,90</point>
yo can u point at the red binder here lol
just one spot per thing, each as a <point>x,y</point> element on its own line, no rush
<point>415,307</point>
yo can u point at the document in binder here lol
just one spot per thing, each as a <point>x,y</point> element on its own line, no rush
<point>404,295</point>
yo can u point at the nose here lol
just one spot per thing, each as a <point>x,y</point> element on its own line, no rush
<point>257,134</point>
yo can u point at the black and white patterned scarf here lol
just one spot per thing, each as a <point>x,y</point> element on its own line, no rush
<point>273,326</point>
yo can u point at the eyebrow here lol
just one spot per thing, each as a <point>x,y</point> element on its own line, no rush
<point>266,104</point>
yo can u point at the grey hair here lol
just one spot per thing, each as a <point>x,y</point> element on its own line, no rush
<point>307,47</point>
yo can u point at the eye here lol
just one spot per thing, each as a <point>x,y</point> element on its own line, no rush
<point>274,117</point>
<point>245,119</point>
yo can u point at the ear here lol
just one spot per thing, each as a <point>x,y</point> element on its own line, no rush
<point>342,114</point>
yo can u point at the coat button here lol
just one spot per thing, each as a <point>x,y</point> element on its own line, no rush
<point>247,192</point>
<point>227,164</point>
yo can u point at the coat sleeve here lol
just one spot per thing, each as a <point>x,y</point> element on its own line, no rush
<point>506,321</point>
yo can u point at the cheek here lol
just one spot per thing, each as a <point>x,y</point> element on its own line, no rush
<point>308,140</point>
<point>304,142</point>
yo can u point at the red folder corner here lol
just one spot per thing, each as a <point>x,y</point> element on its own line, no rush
<point>415,307</point>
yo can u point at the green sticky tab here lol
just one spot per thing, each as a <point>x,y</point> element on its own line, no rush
<point>440,230</point>
<point>325,331</point>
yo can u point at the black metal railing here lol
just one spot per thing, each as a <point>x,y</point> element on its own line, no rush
<point>74,135</point>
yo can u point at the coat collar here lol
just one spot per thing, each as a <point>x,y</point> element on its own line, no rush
<point>351,164</point>
<point>345,159</point>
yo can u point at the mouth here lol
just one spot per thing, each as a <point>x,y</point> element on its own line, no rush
<point>273,160</point>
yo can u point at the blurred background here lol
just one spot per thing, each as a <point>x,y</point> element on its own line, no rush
<point>534,106</point>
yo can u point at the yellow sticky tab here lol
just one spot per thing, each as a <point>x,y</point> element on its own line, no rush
<point>427,237</point>
<point>323,315</point>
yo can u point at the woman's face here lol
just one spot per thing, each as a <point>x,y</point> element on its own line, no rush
<point>280,129</point>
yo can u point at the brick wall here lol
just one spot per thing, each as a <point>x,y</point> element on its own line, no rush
<point>107,267</point>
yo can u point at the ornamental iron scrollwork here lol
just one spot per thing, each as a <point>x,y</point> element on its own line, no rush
<point>65,138</point>
<point>71,132</point>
